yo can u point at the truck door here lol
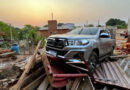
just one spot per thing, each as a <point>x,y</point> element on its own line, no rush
<point>109,42</point>
<point>103,42</point>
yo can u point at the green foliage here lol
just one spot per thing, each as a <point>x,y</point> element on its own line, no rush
<point>90,25</point>
<point>37,28</point>
<point>4,27</point>
<point>28,33</point>
<point>31,34</point>
<point>116,22</point>
<point>45,26</point>
<point>99,26</point>
<point>5,44</point>
<point>122,26</point>
<point>22,34</point>
<point>43,40</point>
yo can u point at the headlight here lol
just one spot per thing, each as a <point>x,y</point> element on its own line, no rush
<point>78,42</point>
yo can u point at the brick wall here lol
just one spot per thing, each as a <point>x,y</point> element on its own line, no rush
<point>47,33</point>
<point>52,29</point>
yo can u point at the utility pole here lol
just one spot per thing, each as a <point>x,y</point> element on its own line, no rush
<point>52,15</point>
<point>87,23</point>
<point>98,22</point>
<point>11,36</point>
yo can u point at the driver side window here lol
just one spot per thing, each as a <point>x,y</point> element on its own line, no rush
<point>104,34</point>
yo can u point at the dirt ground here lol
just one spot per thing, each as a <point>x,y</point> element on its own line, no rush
<point>8,70</point>
<point>10,67</point>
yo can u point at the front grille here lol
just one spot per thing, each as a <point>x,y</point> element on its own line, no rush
<point>61,53</point>
<point>56,43</point>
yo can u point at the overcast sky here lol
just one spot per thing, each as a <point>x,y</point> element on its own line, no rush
<point>37,12</point>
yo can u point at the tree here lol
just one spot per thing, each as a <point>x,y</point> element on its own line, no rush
<point>99,26</point>
<point>22,34</point>
<point>30,34</point>
<point>4,27</point>
<point>45,26</point>
<point>116,22</point>
<point>28,27</point>
<point>90,25</point>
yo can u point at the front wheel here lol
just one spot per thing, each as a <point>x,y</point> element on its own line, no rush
<point>93,61</point>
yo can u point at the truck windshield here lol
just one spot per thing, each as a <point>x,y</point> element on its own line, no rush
<point>85,31</point>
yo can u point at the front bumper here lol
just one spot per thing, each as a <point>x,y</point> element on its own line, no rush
<point>69,52</point>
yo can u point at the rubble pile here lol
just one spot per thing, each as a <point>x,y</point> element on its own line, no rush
<point>38,75</point>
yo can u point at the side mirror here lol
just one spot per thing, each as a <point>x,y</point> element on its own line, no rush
<point>104,35</point>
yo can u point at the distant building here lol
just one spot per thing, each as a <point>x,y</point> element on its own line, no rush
<point>54,29</point>
<point>70,26</point>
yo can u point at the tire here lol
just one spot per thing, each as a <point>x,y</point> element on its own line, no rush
<point>93,61</point>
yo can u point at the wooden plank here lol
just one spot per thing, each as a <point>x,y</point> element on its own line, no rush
<point>34,84</point>
<point>7,54</point>
<point>44,84</point>
<point>33,76</point>
<point>85,84</point>
<point>45,64</point>
<point>69,85</point>
<point>29,65</point>
<point>50,88</point>
<point>12,88</point>
<point>76,84</point>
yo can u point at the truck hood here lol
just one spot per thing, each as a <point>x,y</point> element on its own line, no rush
<point>72,36</point>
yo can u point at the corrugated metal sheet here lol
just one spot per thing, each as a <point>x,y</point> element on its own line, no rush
<point>110,73</point>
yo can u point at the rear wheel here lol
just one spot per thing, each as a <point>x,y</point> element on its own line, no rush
<point>93,61</point>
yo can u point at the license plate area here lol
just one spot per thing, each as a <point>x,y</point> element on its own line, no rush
<point>52,52</point>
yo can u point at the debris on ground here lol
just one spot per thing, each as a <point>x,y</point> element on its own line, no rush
<point>38,75</point>
<point>7,53</point>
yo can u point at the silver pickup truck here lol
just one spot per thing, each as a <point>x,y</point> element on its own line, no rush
<point>95,43</point>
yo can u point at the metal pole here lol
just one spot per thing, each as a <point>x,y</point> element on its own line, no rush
<point>52,15</point>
